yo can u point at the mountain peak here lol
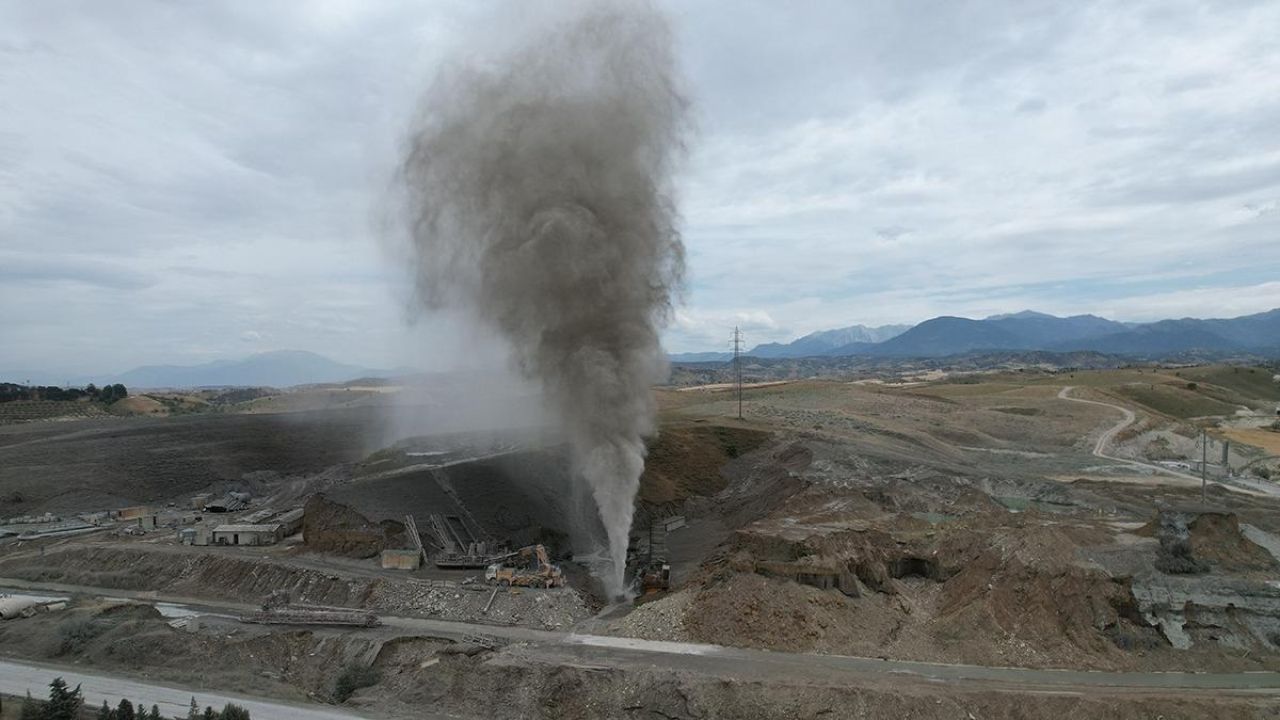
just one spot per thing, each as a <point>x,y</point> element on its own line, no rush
<point>1024,315</point>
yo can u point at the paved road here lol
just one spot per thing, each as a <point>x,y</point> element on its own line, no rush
<point>20,678</point>
<point>720,661</point>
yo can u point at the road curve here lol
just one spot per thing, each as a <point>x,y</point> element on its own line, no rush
<point>1100,447</point>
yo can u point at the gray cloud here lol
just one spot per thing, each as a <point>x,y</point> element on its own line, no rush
<point>186,172</point>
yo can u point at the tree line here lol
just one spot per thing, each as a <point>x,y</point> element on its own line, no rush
<point>106,394</point>
<point>65,703</point>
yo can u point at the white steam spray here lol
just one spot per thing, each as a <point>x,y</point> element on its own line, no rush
<point>539,191</point>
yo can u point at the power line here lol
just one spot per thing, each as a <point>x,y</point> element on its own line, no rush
<point>737,365</point>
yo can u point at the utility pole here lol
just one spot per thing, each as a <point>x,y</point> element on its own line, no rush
<point>737,366</point>
<point>1204,465</point>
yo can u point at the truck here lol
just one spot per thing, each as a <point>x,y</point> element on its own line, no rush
<point>527,567</point>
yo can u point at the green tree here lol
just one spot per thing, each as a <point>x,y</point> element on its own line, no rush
<point>209,714</point>
<point>105,712</point>
<point>155,713</point>
<point>64,703</point>
<point>193,713</point>
<point>231,711</point>
<point>30,709</point>
<point>124,711</point>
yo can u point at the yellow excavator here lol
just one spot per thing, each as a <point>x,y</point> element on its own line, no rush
<point>527,567</point>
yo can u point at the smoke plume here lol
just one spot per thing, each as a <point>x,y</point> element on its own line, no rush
<point>539,191</point>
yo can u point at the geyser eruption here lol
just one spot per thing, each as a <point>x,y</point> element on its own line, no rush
<point>539,190</point>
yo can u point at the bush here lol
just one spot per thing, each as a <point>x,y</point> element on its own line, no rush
<point>1175,558</point>
<point>1263,472</point>
<point>231,711</point>
<point>76,634</point>
<point>353,678</point>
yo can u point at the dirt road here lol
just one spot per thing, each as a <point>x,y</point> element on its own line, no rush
<point>728,662</point>
<point>1100,447</point>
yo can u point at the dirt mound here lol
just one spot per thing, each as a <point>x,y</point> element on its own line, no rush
<point>332,527</point>
<point>759,483</point>
<point>686,461</point>
<point>1195,541</point>
<point>838,575</point>
<point>1216,538</point>
<point>138,405</point>
<point>212,575</point>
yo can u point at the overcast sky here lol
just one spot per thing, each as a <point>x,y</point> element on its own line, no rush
<point>183,182</point>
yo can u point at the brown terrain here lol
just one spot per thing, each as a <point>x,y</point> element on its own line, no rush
<point>963,519</point>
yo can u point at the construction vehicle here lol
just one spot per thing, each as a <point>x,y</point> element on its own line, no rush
<point>460,546</point>
<point>526,567</point>
<point>654,577</point>
<point>647,565</point>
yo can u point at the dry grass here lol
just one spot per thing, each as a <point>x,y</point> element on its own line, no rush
<point>1268,440</point>
<point>686,461</point>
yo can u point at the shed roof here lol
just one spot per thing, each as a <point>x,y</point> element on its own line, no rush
<point>269,528</point>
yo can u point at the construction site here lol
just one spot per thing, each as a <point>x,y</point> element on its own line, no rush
<point>980,531</point>
<point>499,360</point>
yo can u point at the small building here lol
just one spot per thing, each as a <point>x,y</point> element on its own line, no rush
<point>199,501</point>
<point>290,522</point>
<point>229,503</point>
<point>132,513</point>
<point>148,522</point>
<point>196,535</point>
<point>268,534</point>
<point>401,559</point>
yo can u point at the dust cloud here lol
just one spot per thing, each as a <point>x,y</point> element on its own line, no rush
<point>539,197</point>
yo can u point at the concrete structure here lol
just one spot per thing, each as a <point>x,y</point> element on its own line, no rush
<point>148,522</point>
<point>230,503</point>
<point>401,559</point>
<point>16,607</point>
<point>199,501</point>
<point>675,522</point>
<point>290,522</point>
<point>258,517</point>
<point>267,534</point>
<point>133,513</point>
<point>197,535</point>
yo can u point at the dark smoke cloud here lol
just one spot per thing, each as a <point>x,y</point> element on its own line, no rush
<point>540,198</point>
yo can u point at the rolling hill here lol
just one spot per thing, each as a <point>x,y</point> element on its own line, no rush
<point>283,368</point>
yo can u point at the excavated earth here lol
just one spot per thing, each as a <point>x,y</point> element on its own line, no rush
<point>928,565</point>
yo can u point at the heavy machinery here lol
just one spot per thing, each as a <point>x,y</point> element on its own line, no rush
<point>460,548</point>
<point>647,565</point>
<point>526,567</point>
<point>654,577</point>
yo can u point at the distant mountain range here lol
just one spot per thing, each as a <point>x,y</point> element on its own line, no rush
<point>945,336</point>
<point>821,343</point>
<point>282,368</point>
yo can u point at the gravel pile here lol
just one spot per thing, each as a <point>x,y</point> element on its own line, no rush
<point>554,609</point>
<point>657,620</point>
